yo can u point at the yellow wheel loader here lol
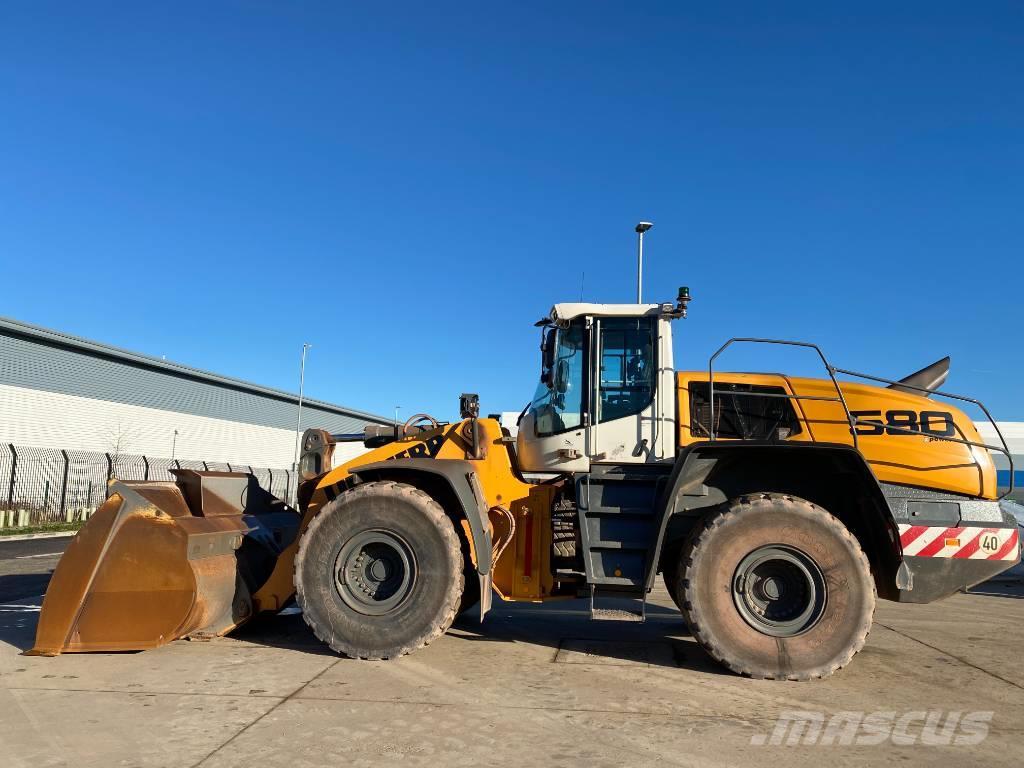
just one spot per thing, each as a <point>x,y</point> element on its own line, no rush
<point>775,508</point>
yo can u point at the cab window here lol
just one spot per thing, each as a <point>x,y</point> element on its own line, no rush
<point>558,402</point>
<point>626,385</point>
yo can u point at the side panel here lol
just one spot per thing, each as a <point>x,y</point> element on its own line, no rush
<point>895,455</point>
<point>523,572</point>
<point>886,442</point>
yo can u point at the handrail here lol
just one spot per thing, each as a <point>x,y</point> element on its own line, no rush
<point>806,344</point>
<point>852,420</point>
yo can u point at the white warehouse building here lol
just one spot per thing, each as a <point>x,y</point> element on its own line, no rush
<point>65,393</point>
<point>1013,433</point>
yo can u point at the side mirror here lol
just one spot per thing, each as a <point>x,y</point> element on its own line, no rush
<point>469,405</point>
<point>547,362</point>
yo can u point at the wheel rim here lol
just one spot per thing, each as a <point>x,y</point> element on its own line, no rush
<point>779,591</point>
<point>374,572</point>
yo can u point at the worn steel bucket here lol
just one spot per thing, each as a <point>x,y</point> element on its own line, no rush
<point>164,560</point>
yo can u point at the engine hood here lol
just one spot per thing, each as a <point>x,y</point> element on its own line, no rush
<point>906,438</point>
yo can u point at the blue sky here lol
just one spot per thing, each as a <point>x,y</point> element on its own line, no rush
<point>409,187</point>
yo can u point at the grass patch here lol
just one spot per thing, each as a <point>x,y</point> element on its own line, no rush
<point>41,528</point>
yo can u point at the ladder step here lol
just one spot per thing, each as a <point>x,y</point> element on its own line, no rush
<point>638,545</point>
<point>636,610</point>
<point>616,581</point>
<point>613,614</point>
<point>636,511</point>
<point>632,477</point>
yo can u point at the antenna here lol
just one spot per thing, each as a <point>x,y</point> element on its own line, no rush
<point>583,279</point>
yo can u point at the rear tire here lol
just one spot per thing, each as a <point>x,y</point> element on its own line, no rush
<point>378,573</point>
<point>775,587</point>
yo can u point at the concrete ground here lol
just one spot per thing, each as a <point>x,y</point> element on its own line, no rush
<point>534,685</point>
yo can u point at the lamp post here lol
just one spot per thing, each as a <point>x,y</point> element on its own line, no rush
<point>298,423</point>
<point>642,227</point>
<point>174,444</point>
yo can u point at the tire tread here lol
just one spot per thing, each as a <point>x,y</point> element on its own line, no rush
<point>693,551</point>
<point>437,515</point>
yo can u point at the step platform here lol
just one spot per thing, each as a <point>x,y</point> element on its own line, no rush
<point>618,606</point>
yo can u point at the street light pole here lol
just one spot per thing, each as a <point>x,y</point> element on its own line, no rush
<point>642,227</point>
<point>298,423</point>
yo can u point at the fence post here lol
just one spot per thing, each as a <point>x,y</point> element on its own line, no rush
<point>14,467</point>
<point>64,483</point>
<point>46,496</point>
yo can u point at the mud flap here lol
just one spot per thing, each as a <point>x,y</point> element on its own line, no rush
<point>485,594</point>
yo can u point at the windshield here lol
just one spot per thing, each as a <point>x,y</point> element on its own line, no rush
<point>558,403</point>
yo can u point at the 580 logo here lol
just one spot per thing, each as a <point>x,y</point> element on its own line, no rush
<point>902,422</point>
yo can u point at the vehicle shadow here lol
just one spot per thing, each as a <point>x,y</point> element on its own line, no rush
<point>21,594</point>
<point>566,629</point>
<point>563,627</point>
<point>18,622</point>
<point>284,630</point>
<point>1007,584</point>
<point>18,586</point>
<point>1013,589</point>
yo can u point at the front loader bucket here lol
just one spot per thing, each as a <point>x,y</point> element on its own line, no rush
<point>159,561</point>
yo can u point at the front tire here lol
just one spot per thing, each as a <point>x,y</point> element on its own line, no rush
<point>378,573</point>
<point>775,587</point>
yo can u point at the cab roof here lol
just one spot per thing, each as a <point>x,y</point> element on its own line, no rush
<point>563,313</point>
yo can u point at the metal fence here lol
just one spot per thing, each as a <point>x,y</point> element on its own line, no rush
<point>42,485</point>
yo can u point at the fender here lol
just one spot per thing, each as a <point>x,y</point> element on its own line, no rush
<point>460,479</point>
<point>707,474</point>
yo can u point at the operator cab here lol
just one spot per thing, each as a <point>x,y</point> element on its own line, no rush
<point>606,387</point>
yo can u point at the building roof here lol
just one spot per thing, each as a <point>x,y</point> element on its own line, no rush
<point>52,338</point>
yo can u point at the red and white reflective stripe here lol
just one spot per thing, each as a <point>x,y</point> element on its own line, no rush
<point>970,542</point>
